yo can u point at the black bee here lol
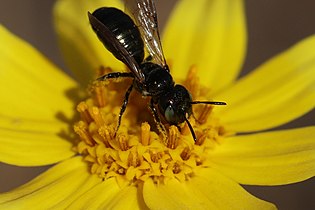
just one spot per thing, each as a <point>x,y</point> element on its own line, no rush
<point>151,77</point>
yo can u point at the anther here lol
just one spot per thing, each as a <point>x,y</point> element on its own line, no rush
<point>176,168</point>
<point>97,117</point>
<point>133,159</point>
<point>205,113</point>
<point>99,95</point>
<point>202,138</point>
<point>156,156</point>
<point>192,81</point>
<point>210,134</point>
<point>186,153</point>
<point>82,108</point>
<point>107,134</point>
<point>173,137</point>
<point>145,133</point>
<point>82,130</point>
<point>123,142</point>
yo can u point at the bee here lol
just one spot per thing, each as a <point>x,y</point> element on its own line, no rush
<point>127,40</point>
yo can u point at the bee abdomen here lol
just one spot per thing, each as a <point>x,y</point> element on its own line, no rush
<point>124,30</point>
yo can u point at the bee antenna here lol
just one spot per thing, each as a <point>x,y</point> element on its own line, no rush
<point>208,102</point>
<point>191,129</point>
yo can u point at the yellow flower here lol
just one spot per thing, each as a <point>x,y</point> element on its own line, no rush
<point>137,169</point>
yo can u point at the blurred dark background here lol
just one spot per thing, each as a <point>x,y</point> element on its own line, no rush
<point>273,26</point>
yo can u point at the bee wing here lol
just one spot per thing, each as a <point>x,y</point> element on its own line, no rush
<point>145,15</point>
<point>105,34</point>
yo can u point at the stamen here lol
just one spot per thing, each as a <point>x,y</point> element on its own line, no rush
<point>176,168</point>
<point>99,93</point>
<point>107,134</point>
<point>173,137</point>
<point>133,159</point>
<point>202,138</point>
<point>156,156</point>
<point>205,113</point>
<point>185,153</point>
<point>209,134</point>
<point>122,141</point>
<point>192,82</point>
<point>145,133</point>
<point>97,117</point>
<point>82,108</point>
<point>82,130</point>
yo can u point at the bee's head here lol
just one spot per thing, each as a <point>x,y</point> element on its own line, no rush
<point>175,105</point>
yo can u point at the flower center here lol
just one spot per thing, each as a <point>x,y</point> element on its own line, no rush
<point>137,151</point>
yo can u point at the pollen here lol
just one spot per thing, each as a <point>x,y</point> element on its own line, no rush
<point>137,150</point>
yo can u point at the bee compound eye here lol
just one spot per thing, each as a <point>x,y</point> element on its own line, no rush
<point>170,114</point>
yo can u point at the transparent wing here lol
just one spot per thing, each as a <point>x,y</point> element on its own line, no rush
<point>145,15</point>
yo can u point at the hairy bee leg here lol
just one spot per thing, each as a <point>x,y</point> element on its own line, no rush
<point>115,75</point>
<point>157,119</point>
<point>123,107</point>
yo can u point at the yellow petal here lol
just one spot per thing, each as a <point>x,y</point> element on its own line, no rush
<point>50,188</point>
<point>270,158</point>
<point>208,34</point>
<point>108,195</point>
<point>277,92</point>
<point>224,193</point>
<point>36,99</point>
<point>31,87</point>
<point>82,50</point>
<point>173,195</point>
<point>84,184</point>
<point>33,148</point>
<point>127,199</point>
<point>208,190</point>
<point>95,197</point>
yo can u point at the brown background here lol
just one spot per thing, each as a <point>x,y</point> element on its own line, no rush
<point>273,26</point>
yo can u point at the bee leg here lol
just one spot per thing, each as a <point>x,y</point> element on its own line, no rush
<point>115,75</point>
<point>123,107</point>
<point>157,119</point>
<point>191,129</point>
